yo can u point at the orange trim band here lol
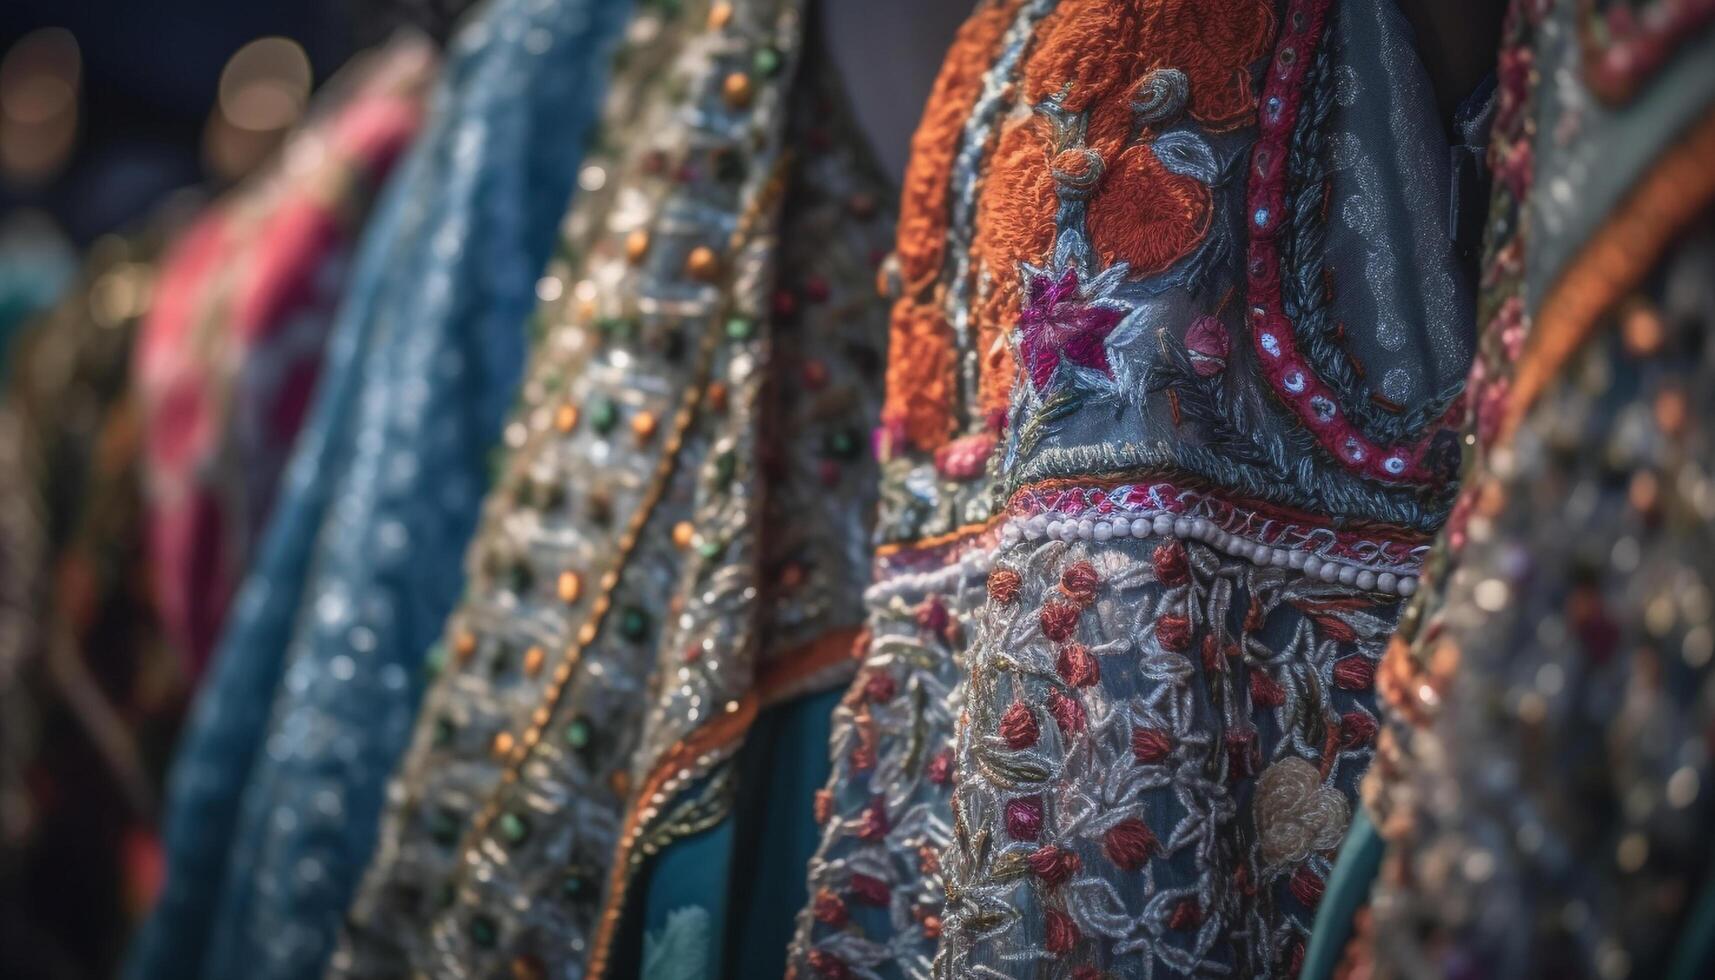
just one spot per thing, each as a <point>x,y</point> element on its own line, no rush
<point>1613,262</point>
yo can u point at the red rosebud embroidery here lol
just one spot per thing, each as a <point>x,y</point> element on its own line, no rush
<point>824,808</point>
<point>1068,712</point>
<point>1173,633</point>
<point>1129,843</point>
<point>1059,621</point>
<point>863,757</point>
<point>928,860</point>
<point>1079,582</point>
<point>829,909</point>
<point>869,889</point>
<point>1306,886</point>
<point>1052,864</point>
<point>1018,726</point>
<point>1024,817</point>
<point>1213,660</point>
<point>880,688</point>
<point>1004,584</point>
<point>1172,565</point>
<point>931,927</point>
<point>1266,692</point>
<point>1242,880</point>
<point>1241,754</point>
<point>875,824</point>
<point>1150,745</point>
<point>1354,673</point>
<point>932,616</point>
<point>940,768</point>
<point>1077,666</point>
<point>1356,728</point>
<point>1062,933</point>
<point>828,966</point>
<point>1207,344</point>
<point>1186,915</point>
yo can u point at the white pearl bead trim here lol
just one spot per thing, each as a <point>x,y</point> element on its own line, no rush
<point>1316,565</point>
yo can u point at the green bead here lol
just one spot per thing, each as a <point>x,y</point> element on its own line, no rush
<point>730,166</point>
<point>444,827</point>
<point>844,444</point>
<point>604,415</point>
<point>578,734</point>
<point>483,931</point>
<point>709,549</point>
<point>444,731</point>
<point>522,576</point>
<point>740,328</point>
<point>436,661</point>
<point>633,623</point>
<point>513,828</point>
<point>766,61</point>
<point>726,464</point>
<point>573,887</point>
<point>616,328</point>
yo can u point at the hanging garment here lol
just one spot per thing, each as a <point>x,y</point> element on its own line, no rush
<point>1177,336</point>
<point>229,353</point>
<point>1543,779</point>
<point>274,798</point>
<point>90,696</point>
<point>675,546</point>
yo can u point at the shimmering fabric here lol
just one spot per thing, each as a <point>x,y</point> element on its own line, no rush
<point>1164,439</point>
<point>1544,777</point>
<point>89,695</point>
<point>229,353</point>
<point>676,541</point>
<point>274,799</point>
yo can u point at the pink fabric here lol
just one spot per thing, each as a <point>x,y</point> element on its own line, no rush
<point>227,360</point>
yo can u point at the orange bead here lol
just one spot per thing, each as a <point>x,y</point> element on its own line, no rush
<point>570,586</point>
<point>503,743</point>
<point>533,659</point>
<point>643,425</point>
<point>737,90</point>
<point>637,245</point>
<point>464,644</point>
<point>702,263</point>
<point>683,532</point>
<point>566,418</point>
<point>720,15</point>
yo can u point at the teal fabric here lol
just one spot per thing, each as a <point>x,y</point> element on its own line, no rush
<point>1348,888</point>
<point>745,875</point>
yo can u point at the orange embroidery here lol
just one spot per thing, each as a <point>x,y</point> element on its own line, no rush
<point>1146,216</point>
<point>921,358</point>
<point>923,198</point>
<point>1014,223</point>
<point>921,365</point>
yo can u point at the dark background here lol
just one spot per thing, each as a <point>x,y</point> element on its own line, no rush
<point>150,72</point>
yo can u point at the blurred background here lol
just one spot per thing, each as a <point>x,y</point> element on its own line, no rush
<point>105,107</point>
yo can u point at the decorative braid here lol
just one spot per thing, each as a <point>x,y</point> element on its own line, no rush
<point>1304,285</point>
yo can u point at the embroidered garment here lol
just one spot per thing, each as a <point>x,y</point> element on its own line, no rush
<point>1543,780</point>
<point>89,695</point>
<point>677,539</point>
<point>229,354</point>
<point>1177,333</point>
<point>275,796</point>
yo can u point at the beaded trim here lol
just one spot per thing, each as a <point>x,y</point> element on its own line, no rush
<point>1273,333</point>
<point>1169,510</point>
